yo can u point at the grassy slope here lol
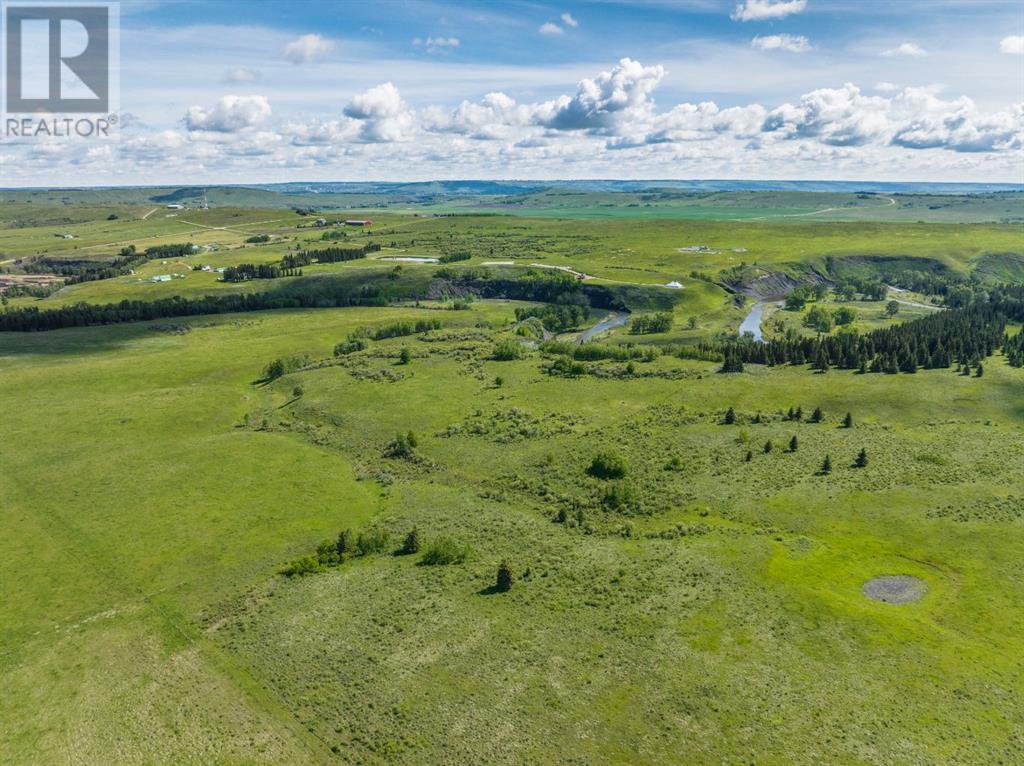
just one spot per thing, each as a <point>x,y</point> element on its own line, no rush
<point>141,616</point>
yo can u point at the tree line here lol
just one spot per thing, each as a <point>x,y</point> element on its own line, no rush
<point>962,336</point>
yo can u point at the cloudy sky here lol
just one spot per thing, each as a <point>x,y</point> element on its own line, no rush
<point>235,92</point>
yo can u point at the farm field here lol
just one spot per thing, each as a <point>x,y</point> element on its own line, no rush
<point>722,592</point>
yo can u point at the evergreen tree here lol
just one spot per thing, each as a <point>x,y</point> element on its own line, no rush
<point>799,414</point>
<point>793,444</point>
<point>345,542</point>
<point>730,416</point>
<point>768,447</point>
<point>750,456</point>
<point>504,579</point>
<point>817,415</point>
<point>404,357</point>
<point>862,458</point>
<point>791,415</point>
<point>848,421</point>
<point>980,371</point>
<point>826,466</point>
<point>412,542</point>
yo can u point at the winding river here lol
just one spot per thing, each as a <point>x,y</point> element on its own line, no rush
<point>615,319</point>
<point>752,323</point>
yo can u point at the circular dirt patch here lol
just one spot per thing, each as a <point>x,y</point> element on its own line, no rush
<point>895,589</point>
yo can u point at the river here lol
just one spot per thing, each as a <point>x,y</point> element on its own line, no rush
<point>615,319</point>
<point>752,323</point>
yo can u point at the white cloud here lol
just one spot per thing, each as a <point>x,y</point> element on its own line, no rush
<point>569,21</point>
<point>241,75</point>
<point>791,43</point>
<point>886,87</point>
<point>307,48</point>
<point>759,10</point>
<point>906,49</point>
<point>833,116</point>
<point>604,101</point>
<point>384,115</point>
<point>1013,44</point>
<point>231,114</point>
<point>550,30</point>
<point>434,44</point>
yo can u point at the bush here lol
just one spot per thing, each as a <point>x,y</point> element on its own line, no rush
<point>372,541</point>
<point>619,497</point>
<point>411,544</point>
<point>444,550</point>
<point>258,239</point>
<point>607,465</point>
<point>508,350</point>
<point>402,446</point>
<point>350,346</point>
<point>303,565</point>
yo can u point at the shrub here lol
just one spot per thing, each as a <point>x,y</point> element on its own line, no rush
<point>344,544</point>
<point>350,346</point>
<point>607,465</point>
<point>402,446</point>
<point>372,541</point>
<point>327,553</point>
<point>303,565</point>
<point>404,357</point>
<point>619,496</point>
<point>274,370</point>
<point>508,350</point>
<point>411,544</point>
<point>444,550</point>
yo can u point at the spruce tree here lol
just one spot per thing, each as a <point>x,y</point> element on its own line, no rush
<point>980,371</point>
<point>793,444</point>
<point>730,416</point>
<point>817,415</point>
<point>848,421</point>
<point>862,458</point>
<point>345,542</point>
<point>503,583</point>
<point>412,542</point>
<point>826,466</point>
<point>749,457</point>
<point>799,414</point>
<point>768,447</point>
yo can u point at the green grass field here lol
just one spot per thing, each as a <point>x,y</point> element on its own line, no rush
<point>706,607</point>
<point>721,621</point>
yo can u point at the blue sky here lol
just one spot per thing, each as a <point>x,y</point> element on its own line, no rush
<point>261,91</point>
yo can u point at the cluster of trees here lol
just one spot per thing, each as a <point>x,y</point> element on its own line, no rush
<point>555,317</point>
<point>1014,350</point>
<point>608,465</point>
<point>258,239</point>
<point>852,288</point>
<point>327,255</point>
<point>822,319</point>
<point>462,255</point>
<point>246,271</point>
<point>398,329</point>
<point>646,324</point>
<point>31,318</point>
<point>963,336</point>
<point>86,270</point>
<point>179,250</point>
<point>803,295</point>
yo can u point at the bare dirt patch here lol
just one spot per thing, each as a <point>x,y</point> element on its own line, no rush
<point>895,589</point>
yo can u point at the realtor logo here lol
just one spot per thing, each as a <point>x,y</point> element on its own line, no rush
<point>59,58</point>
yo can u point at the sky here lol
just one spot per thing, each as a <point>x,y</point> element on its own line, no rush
<point>256,92</point>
